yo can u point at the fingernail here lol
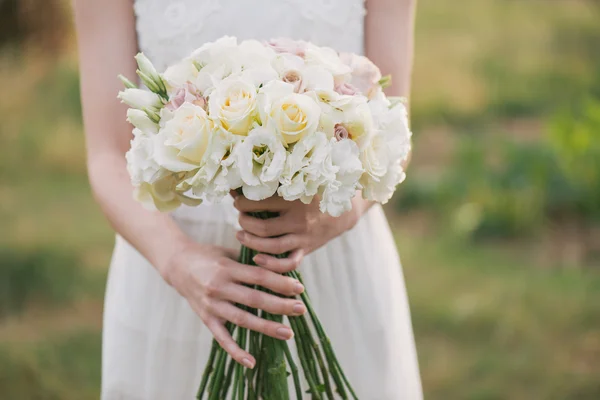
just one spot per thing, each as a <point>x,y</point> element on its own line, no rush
<point>240,236</point>
<point>285,333</point>
<point>259,259</point>
<point>298,288</point>
<point>247,363</point>
<point>299,308</point>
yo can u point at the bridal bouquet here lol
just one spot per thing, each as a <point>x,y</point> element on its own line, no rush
<point>284,118</point>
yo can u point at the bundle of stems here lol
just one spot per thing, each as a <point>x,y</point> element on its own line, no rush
<point>224,378</point>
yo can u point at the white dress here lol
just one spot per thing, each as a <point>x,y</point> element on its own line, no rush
<point>154,346</point>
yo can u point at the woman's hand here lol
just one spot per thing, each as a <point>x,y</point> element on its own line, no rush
<point>299,229</point>
<point>212,282</point>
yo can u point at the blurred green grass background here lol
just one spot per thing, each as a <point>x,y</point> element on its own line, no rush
<point>498,223</point>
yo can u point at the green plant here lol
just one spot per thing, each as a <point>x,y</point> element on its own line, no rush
<point>39,275</point>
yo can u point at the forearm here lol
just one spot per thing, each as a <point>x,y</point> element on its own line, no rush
<point>389,41</point>
<point>155,235</point>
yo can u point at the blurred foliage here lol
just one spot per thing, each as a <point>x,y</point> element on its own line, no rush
<point>44,276</point>
<point>496,186</point>
<point>27,24</point>
<point>60,368</point>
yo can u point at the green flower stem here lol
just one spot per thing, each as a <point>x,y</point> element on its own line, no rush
<point>215,384</point>
<point>228,378</point>
<point>208,369</point>
<point>334,365</point>
<point>317,351</point>
<point>303,360</point>
<point>294,368</point>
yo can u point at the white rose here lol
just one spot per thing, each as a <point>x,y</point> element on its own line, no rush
<point>181,145</point>
<point>232,105</point>
<point>141,165</point>
<point>140,120</point>
<point>293,117</point>
<point>307,167</point>
<point>329,59</point>
<point>270,93</point>
<point>140,99</point>
<point>338,193</point>
<point>219,173</point>
<point>260,160</point>
<point>293,70</point>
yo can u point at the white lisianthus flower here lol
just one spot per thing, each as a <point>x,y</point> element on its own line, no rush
<point>140,99</point>
<point>219,174</point>
<point>384,155</point>
<point>365,75</point>
<point>214,52</point>
<point>181,145</point>
<point>260,159</point>
<point>233,106</point>
<point>329,59</point>
<point>337,194</point>
<point>352,113</point>
<point>140,120</point>
<point>255,54</point>
<point>179,74</point>
<point>141,164</point>
<point>149,75</point>
<point>293,117</point>
<point>307,168</point>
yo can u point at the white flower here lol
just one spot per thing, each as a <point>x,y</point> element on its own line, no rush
<point>338,192</point>
<point>181,145</point>
<point>214,52</point>
<point>179,74</point>
<point>260,159</point>
<point>140,99</point>
<point>329,59</point>
<point>307,167</point>
<point>351,112</point>
<point>232,105</point>
<point>148,74</point>
<point>140,120</point>
<point>365,75</point>
<point>384,155</point>
<point>141,165</point>
<point>219,173</point>
<point>163,195</point>
<point>293,117</point>
<point>292,69</point>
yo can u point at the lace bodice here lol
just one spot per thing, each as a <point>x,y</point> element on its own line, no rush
<point>170,30</point>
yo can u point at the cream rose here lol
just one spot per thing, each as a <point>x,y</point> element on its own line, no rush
<point>294,116</point>
<point>182,143</point>
<point>232,105</point>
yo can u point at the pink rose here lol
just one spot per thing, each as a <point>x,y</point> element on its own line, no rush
<point>340,132</point>
<point>284,45</point>
<point>189,93</point>
<point>365,75</point>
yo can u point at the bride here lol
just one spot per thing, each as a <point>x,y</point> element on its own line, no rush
<point>173,279</point>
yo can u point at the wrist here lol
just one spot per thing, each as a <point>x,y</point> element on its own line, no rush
<point>171,255</point>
